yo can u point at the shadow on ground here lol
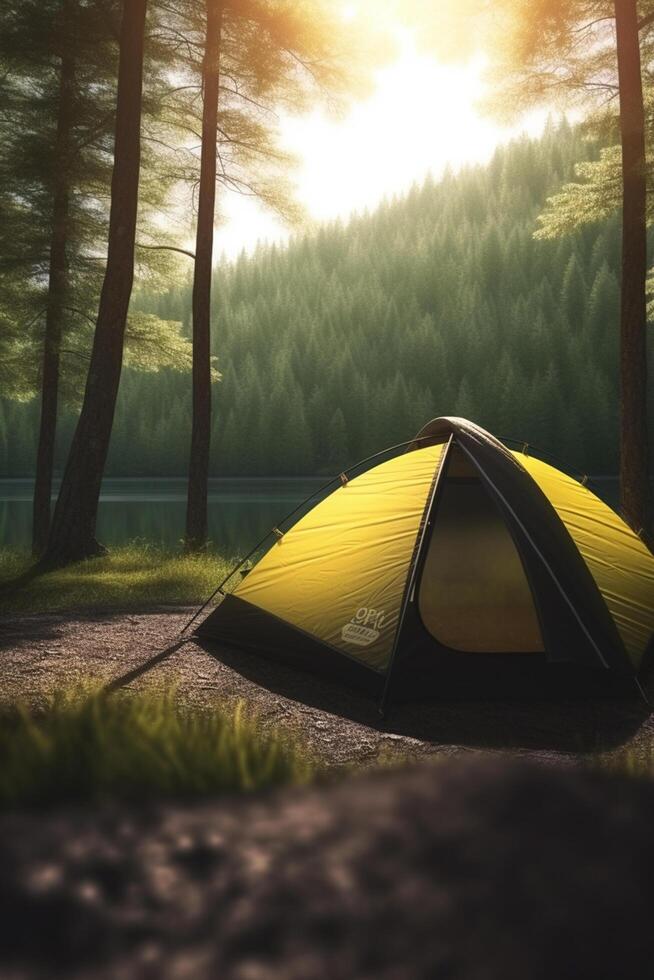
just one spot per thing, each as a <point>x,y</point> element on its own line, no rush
<point>342,727</point>
<point>15,634</point>
<point>562,726</point>
<point>24,630</point>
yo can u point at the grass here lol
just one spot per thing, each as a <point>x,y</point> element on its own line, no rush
<point>130,577</point>
<point>89,747</point>
<point>636,761</point>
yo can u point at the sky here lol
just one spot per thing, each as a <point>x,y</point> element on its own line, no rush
<point>380,148</point>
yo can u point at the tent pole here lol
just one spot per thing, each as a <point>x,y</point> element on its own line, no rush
<point>643,693</point>
<point>539,553</point>
<point>411,580</point>
<point>335,479</point>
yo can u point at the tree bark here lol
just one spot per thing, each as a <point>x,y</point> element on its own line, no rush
<point>72,536</point>
<point>198,475</point>
<point>57,284</point>
<point>633,317</point>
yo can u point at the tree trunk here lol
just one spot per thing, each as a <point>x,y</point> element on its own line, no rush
<point>633,317</point>
<point>72,536</point>
<point>198,475</point>
<point>57,283</point>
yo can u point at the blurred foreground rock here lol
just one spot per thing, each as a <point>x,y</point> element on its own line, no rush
<point>477,868</point>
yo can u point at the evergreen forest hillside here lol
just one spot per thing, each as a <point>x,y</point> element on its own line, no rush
<point>350,338</point>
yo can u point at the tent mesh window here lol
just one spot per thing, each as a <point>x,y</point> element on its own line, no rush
<point>474,596</point>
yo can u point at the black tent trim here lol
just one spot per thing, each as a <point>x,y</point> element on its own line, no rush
<point>543,559</point>
<point>548,542</point>
<point>239,623</point>
<point>318,494</point>
<point>578,660</point>
<point>419,550</point>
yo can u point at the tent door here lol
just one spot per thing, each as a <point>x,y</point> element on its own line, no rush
<point>473,593</point>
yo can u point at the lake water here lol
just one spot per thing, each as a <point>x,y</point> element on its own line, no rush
<point>241,511</point>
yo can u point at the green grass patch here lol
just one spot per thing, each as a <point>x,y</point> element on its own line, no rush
<point>89,747</point>
<point>128,578</point>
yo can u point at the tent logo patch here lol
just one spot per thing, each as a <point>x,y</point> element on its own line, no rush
<point>364,627</point>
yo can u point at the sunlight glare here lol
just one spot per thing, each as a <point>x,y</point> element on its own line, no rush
<point>421,118</point>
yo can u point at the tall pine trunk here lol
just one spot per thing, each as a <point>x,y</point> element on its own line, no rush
<point>72,536</point>
<point>56,299</point>
<point>633,316</point>
<point>198,474</point>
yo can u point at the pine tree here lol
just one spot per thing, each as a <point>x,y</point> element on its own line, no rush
<point>72,536</point>
<point>289,333</point>
<point>58,61</point>
<point>336,447</point>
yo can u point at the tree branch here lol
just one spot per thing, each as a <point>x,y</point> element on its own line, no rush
<point>73,309</point>
<point>76,353</point>
<point>167,248</point>
<point>33,320</point>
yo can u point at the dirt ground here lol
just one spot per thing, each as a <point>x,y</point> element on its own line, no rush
<point>339,726</point>
<point>472,869</point>
<point>483,867</point>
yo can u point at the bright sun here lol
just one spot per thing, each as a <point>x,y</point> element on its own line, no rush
<point>421,117</point>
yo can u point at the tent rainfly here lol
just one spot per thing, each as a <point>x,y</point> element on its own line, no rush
<point>459,568</point>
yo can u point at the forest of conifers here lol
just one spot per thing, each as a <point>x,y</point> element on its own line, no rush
<point>353,336</point>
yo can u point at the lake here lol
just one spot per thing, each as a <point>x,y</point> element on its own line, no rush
<point>241,511</point>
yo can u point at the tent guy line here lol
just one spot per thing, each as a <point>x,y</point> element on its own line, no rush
<point>523,582</point>
<point>497,576</point>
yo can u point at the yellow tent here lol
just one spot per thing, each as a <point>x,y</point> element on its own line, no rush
<point>457,567</point>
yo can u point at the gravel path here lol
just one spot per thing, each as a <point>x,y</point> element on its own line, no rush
<point>40,653</point>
